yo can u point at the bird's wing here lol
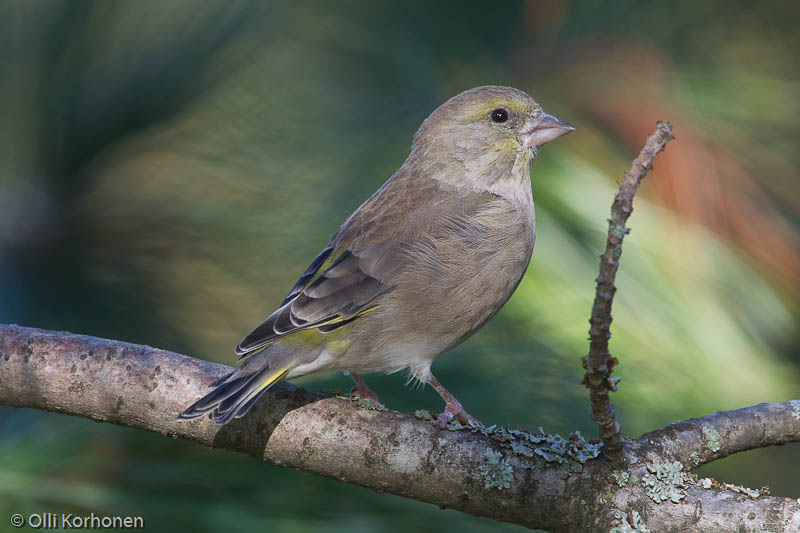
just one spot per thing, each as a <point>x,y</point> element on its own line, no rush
<point>339,286</point>
<point>360,265</point>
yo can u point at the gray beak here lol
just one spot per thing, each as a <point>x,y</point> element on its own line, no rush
<point>543,129</point>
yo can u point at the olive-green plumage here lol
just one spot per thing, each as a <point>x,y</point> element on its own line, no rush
<point>418,267</point>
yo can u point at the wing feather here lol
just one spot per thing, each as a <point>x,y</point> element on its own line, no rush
<point>359,266</point>
<point>309,274</point>
<point>329,294</point>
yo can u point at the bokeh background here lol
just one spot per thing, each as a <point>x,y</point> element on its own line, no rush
<point>168,169</point>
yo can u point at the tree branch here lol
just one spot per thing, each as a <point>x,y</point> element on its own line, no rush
<point>598,363</point>
<point>387,451</point>
<point>698,441</point>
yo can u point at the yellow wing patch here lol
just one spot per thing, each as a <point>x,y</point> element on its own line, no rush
<point>271,380</point>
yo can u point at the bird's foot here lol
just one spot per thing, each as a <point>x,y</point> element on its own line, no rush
<point>455,410</point>
<point>364,394</point>
<point>361,390</point>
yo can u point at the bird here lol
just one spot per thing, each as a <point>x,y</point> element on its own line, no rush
<point>418,268</point>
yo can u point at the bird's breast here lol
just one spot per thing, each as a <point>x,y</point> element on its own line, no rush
<point>462,274</point>
<point>448,283</point>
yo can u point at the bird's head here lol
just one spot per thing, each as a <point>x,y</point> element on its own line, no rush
<point>493,132</point>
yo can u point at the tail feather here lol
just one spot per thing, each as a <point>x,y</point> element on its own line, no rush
<point>222,390</point>
<point>223,379</point>
<point>235,397</point>
<point>243,408</point>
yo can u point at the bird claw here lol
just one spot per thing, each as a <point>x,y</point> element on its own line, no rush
<point>361,390</point>
<point>453,408</point>
<point>443,419</point>
<point>364,394</point>
<point>457,412</point>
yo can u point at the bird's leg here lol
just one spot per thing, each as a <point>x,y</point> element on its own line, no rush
<point>362,390</point>
<point>453,408</point>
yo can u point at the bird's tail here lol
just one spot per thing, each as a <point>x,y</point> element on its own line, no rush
<point>234,394</point>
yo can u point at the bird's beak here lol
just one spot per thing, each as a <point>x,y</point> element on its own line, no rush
<point>542,129</point>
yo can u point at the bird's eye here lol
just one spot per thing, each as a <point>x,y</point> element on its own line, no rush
<point>499,115</point>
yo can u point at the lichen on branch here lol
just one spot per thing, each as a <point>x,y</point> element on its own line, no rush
<point>534,479</point>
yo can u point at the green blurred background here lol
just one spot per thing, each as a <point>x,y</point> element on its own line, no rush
<point>168,169</point>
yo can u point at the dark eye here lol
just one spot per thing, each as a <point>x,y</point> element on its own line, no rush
<point>499,115</point>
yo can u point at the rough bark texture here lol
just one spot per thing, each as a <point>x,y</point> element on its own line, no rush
<point>387,451</point>
<point>598,363</point>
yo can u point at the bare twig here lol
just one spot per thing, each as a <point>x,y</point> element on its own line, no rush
<point>598,363</point>
<point>387,451</point>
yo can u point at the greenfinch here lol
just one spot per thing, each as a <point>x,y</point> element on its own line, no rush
<point>419,267</point>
